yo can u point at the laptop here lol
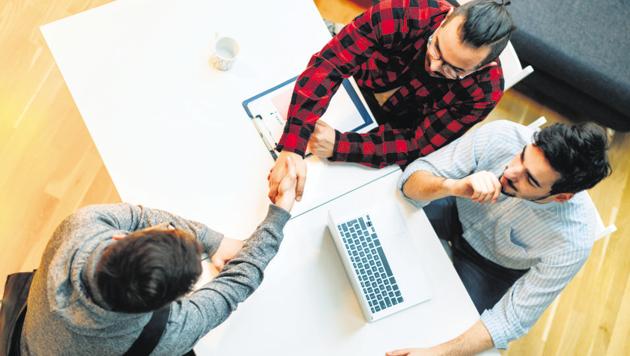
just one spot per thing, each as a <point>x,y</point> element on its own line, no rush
<point>382,263</point>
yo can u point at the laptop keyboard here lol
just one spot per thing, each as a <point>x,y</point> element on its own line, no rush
<point>369,262</point>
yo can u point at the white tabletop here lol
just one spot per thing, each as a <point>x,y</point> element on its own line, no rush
<point>170,128</point>
<point>173,135</point>
<point>306,305</point>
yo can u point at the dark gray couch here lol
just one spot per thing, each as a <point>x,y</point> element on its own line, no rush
<point>580,50</point>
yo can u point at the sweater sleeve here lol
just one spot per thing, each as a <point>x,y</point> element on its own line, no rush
<point>194,316</point>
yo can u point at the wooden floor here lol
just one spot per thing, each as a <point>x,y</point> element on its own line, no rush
<point>49,167</point>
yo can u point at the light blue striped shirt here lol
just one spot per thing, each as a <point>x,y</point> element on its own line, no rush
<point>553,239</point>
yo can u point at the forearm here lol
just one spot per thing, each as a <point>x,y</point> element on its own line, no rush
<point>472,341</point>
<point>385,145</point>
<point>380,147</point>
<point>244,273</point>
<point>313,90</point>
<point>312,93</point>
<point>340,58</point>
<point>264,243</point>
<point>424,186</point>
<point>207,307</point>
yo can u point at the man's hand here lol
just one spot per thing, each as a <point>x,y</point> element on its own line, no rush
<point>226,251</point>
<point>481,187</point>
<point>322,142</point>
<point>279,172</point>
<point>285,198</point>
<point>471,342</point>
<point>286,188</point>
<point>413,352</point>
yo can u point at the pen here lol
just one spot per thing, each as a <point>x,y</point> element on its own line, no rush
<point>258,123</point>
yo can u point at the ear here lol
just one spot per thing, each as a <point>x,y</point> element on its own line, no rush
<point>563,197</point>
<point>491,64</point>
<point>119,237</point>
<point>446,17</point>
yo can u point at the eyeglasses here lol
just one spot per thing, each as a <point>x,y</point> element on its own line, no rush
<point>447,69</point>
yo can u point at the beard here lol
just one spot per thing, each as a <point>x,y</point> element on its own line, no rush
<point>513,195</point>
<point>509,182</point>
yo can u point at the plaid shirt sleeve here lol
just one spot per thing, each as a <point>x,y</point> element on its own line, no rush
<point>376,29</point>
<point>384,145</point>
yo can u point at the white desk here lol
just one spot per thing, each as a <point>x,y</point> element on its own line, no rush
<point>173,134</point>
<point>169,127</point>
<point>306,305</point>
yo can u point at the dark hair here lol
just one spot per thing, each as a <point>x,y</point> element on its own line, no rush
<point>577,152</point>
<point>148,269</point>
<point>487,23</point>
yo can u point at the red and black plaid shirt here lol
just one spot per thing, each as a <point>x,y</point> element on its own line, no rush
<point>385,48</point>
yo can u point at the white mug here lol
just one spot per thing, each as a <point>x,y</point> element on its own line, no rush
<point>224,52</point>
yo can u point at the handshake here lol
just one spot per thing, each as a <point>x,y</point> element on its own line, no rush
<point>284,198</point>
<point>285,188</point>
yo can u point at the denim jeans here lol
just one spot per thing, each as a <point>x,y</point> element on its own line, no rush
<point>485,281</point>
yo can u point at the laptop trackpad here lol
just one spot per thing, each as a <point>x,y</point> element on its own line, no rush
<point>402,252</point>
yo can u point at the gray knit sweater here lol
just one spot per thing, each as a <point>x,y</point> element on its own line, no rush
<point>64,319</point>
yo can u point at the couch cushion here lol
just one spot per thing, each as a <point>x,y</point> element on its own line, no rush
<point>584,43</point>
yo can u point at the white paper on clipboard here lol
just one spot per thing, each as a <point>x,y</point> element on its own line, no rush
<point>347,110</point>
